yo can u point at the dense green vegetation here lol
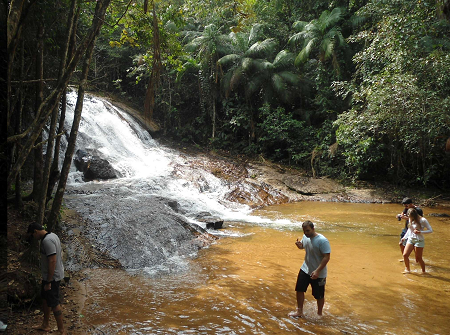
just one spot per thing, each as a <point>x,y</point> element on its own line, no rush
<point>350,89</point>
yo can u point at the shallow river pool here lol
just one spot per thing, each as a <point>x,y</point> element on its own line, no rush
<point>244,283</point>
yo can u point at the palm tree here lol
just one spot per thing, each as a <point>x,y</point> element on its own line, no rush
<point>321,36</point>
<point>208,47</point>
<point>262,80</point>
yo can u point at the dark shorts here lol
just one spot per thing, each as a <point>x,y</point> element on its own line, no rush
<point>317,285</point>
<point>51,296</point>
<point>404,230</point>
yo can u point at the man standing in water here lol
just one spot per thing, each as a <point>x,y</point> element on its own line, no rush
<point>52,271</point>
<point>314,268</point>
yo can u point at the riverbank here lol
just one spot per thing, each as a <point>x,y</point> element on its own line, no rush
<point>273,183</point>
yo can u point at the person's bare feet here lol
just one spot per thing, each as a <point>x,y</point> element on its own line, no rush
<point>42,328</point>
<point>296,314</point>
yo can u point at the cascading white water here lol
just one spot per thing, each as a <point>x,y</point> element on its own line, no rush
<point>142,162</point>
<point>132,218</point>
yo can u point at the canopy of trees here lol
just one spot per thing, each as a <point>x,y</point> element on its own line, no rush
<point>351,89</point>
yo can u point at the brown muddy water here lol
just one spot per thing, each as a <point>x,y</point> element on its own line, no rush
<point>244,284</point>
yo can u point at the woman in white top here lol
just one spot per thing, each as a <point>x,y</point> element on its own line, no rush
<point>418,226</point>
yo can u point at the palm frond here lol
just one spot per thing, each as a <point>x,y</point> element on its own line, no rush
<point>195,43</point>
<point>255,34</point>
<point>229,60</point>
<point>335,16</point>
<point>247,64</point>
<point>210,29</point>
<point>296,39</point>
<point>327,47</point>
<point>239,41</point>
<point>262,65</point>
<point>261,49</point>
<point>299,25</point>
<point>284,59</point>
<point>304,53</point>
<point>340,39</point>
<point>190,35</point>
<point>291,78</point>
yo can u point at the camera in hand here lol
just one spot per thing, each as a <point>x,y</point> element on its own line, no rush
<point>399,217</point>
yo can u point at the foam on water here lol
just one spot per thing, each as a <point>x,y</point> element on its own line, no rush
<point>145,167</point>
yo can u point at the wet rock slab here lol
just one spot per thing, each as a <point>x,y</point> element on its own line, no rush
<point>138,230</point>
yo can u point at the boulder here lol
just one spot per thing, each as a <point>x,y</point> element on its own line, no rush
<point>93,166</point>
<point>212,222</point>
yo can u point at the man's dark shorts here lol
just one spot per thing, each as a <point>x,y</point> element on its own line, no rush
<point>51,296</point>
<point>318,285</point>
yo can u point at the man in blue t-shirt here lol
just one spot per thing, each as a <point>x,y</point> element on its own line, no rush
<point>314,268</point>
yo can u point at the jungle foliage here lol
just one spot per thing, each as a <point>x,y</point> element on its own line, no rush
<point>354,89</point>
<point>351,89</point>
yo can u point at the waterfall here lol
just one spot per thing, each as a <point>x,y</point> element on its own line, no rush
<point>143,164</point>
<point>130,217</point>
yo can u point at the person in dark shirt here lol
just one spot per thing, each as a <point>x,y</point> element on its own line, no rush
<point>407,203</point>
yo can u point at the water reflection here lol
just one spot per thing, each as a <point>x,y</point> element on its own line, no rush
<point>245,284</point>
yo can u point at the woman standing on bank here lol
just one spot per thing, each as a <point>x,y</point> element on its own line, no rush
<point>415,239</point>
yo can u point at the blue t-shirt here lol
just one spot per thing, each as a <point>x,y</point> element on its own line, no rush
<point>315,249</point>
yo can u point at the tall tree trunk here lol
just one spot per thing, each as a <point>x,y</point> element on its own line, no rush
<point>54,97</point>
<point>18,11</point>
<point>38,157</point>
<point>149,103</point>
<point>54,173</point>
<point>57,201</point>
<point>214,93</point>
<point>18,190</point>
<point>42,200</point>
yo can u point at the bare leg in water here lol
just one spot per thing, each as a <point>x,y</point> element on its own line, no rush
<point>300,301</point>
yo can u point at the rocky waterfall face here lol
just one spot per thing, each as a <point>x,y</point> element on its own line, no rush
<point>148,216</point>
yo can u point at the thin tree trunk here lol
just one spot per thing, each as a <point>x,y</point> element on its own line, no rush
<point>57,201</point>
<point>149,103</point>
<point>54,97</point>
<point>42,200</point>
<point>18,11</point>
<point>38,157</point>
<point>18,190</point>
<point>62,117</point>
